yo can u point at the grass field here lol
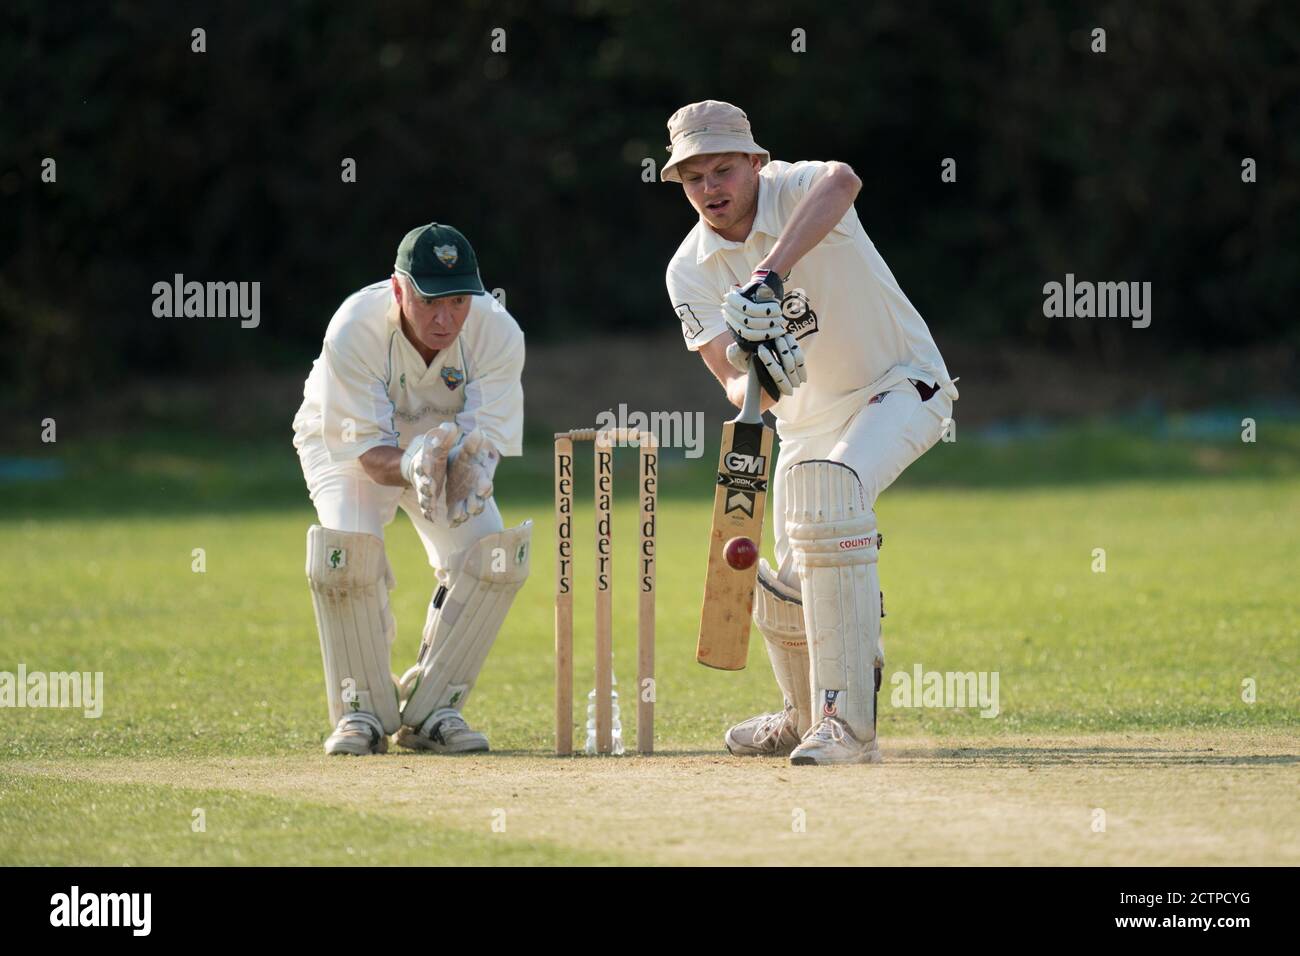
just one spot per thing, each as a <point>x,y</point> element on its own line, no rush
<point>1120,691</point>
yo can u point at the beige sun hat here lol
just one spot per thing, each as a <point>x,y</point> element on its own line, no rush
<point>710,126</point>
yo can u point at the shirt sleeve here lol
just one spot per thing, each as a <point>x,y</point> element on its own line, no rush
<point>356,412</point>
<point>795,184</point>
<point>698,309</point>
<point>494,391</point>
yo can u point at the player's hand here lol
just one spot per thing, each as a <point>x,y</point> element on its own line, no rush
<point>780,364</point>
<point>424,466</point>
<point>753,310</point>
<point>470,470</point>
<point>782,361</point>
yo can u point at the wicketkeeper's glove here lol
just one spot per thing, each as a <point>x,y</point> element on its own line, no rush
<point>424,466</point>
<point>470,470</point>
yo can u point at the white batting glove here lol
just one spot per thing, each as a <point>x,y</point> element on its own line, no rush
<point>424,466</point>
<point>782,358</point>
<point>470,471</point>
<point>753,311</point>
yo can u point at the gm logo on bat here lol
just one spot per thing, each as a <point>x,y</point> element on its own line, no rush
<point>744,464</point>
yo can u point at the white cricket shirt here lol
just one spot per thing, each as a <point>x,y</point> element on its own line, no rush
<point>371,387</point>
<point>859,333</point>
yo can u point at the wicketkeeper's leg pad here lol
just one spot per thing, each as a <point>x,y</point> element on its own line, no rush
<point>350,578</point>
<point>463,622</point>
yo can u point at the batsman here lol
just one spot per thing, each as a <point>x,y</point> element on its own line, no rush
<point>415,397</point>
<point>778,272</point>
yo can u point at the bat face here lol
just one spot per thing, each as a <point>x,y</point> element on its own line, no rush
<point>738,502</point>
<point>742,471</point>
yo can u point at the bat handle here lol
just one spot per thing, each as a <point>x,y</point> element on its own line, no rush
<point>752,410</point>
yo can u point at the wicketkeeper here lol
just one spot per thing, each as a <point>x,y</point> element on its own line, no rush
<point>413,401</point>
<point>779,271</point>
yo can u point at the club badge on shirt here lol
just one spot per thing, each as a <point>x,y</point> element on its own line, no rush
<point>452,377</point>
<point>690,322</point>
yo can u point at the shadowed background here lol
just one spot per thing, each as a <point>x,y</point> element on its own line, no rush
<point>225,166</point>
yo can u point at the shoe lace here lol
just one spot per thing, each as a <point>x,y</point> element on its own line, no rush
<point>772,726</point>
<point>830,728</point>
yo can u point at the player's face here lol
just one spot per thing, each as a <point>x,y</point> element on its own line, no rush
<point>723,188</point>
<point>435,322</point>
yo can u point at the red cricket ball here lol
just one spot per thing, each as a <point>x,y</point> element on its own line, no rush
<point>740,553</point>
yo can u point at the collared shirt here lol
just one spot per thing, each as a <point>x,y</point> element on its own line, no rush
<point>371,387</point>
<point>859,333</point>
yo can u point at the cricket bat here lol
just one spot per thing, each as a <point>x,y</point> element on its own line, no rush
<point>738,501</point>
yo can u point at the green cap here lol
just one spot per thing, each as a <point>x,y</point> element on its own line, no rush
<point>439,261</point>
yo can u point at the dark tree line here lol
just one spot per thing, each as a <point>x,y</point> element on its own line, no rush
<point>226,165</point>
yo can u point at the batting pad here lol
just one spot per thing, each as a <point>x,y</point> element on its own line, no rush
<point>349,577</point>
<point>833,536</point>
<point>463,623</point>
<point>778,612</point>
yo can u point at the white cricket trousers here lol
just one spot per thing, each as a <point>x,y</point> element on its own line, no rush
<point>347,499</point>
<point>886,435</point>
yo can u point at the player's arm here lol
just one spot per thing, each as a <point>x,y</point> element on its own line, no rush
<point>817,213</point>
<point>714,353</point>
<point>494,394</point>
<point>356,412</point>
<point>493,418</point>
<point>711,328</point>
<point>383,464</point>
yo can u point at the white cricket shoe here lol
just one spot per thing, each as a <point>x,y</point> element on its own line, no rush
<point>767,735</point>
<point>358,734</point>
<point>444,732</point>
<point>830,741</point>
